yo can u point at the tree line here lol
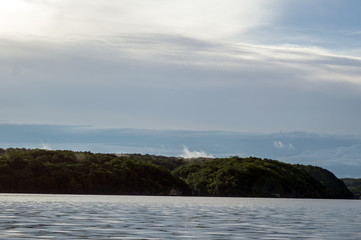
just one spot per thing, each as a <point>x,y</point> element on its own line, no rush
<point>60,171</point>
<point>43,171</point>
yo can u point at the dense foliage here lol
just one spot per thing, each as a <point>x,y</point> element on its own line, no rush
<point>42,171</point>
<point>354,185</point>
<point>169,163</point>
<point>335,187</point>
<point>45,171</point>
<point>253,177</point>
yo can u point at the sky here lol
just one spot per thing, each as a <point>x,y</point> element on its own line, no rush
<point>260,67</point>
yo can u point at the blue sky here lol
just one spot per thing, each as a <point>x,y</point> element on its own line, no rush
<point>260,67</point>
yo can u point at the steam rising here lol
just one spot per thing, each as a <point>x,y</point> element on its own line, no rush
<point>194,154</point>
<point>45,146</point>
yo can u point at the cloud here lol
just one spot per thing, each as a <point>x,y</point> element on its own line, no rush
<point>287,65</point>
<point>210,19</point>
<point>278,144</point>
<point>148,81</point>
<point>143,65</point>
<point>281,145</point>
<point>194,154</point>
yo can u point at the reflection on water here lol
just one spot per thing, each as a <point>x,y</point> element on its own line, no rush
<point>144,217</point>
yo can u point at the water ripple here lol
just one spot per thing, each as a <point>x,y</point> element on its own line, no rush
<point>140,217</point>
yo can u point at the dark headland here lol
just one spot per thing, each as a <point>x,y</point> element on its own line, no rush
<point>69,172</point>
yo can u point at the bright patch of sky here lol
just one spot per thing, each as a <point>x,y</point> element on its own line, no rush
<point>66,19</point>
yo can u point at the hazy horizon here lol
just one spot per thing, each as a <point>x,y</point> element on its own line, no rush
<point>337,153</point>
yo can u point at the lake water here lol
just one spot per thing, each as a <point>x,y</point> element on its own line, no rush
<point>38,216</point>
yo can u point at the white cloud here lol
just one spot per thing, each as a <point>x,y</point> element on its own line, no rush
<point>194,154</point>
<point>281,145</point>
<point>278,144</point>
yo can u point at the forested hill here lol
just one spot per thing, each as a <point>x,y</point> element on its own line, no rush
<point>256,177</point>
<point>47,171</point>
<point>354,185</point>
<point>335,187</point>
<point>43,171</point>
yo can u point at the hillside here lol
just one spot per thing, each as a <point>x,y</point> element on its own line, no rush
<point>335,187</point>
<point>254,177</point>
<point>354,185</point>
<point>44,171</point>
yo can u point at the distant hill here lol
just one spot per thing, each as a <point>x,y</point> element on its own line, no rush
<point>47,171</point>
<point>335,187</point>
<point>254,177</point>
<point>354,185</point>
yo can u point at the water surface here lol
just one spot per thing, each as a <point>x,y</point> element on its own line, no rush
<point>40,216</point>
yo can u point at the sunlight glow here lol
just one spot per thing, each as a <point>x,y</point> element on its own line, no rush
<point>201,19</point>
<point>21,17</point>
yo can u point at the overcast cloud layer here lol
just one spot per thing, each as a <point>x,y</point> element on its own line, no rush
<point>259,66</point>
<point>182,64</point>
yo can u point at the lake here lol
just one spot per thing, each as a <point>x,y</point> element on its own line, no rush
<point>41,216</point>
